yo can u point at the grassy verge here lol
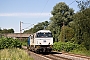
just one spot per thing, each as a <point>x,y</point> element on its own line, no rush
<point>14,54</point>
<point>81,52</point>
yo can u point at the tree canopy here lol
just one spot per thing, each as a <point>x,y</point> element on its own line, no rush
<point>83,4</point>
<point>6,30</point>
<point>82,27</point>
<point>61,13</point>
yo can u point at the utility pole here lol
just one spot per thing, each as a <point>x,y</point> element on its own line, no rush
<point>63,31</point>
<point>20,27</point>
<point>21,30</point>
<point>24,28</point>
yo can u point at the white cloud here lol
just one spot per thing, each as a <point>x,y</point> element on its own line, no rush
<point>26,14</point>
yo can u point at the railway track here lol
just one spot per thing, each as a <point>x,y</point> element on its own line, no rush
<point>58,56</point>
<point>77,55</point>
<point>54,57</point>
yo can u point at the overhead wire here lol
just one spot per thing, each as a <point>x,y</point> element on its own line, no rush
<point>44,7</point>
<point>72,2</point>
<point>27,27</point>
<point>38,17</point>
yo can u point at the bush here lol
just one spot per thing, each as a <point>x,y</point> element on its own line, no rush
<point>64,46</point>
<point>24,42</point>
<point>9,43</point>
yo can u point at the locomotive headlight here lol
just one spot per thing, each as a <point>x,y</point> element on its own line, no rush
<point>49,43</point>
<point>40,43</point>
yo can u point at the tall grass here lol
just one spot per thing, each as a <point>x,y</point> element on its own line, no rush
<point>14,54</point>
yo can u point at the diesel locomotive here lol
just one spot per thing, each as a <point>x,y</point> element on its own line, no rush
<point>41,41</point>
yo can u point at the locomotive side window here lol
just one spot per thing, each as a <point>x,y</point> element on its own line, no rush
<point>31,37</point>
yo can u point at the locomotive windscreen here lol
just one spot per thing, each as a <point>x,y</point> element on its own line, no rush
<point>39,35</point>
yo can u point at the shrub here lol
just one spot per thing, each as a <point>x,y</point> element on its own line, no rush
<point>65,46</point>
<point>9,43</point>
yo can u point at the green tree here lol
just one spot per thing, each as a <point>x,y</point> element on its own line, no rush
<point>83,4</point>
<point>82,27</point>
<point>39,26</point>
<point>55,30</point>
<point>67,33</point>
<point>10,30</point>
<point>2,31</point>
<point>61,13</point>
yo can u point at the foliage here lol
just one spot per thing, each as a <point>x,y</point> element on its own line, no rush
<point>71,48</point>
<point>67,33</point>
<point>84,4</point>
<point>39,26</point>
<point>24,42</point>
<point>6,31</point>
<point>9,43</point>
<point>61,13</point>
<point>82,27</point>
<point>14,54</point>
<point>10,30</point>
<point>65,46</point>
<point>81,50</point>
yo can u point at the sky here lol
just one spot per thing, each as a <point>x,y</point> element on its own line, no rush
<point>28,11</point>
